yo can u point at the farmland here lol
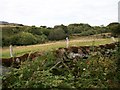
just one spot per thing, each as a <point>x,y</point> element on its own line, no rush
<point>90,61</point>
<point>50,71</point>
<point>18,50</point>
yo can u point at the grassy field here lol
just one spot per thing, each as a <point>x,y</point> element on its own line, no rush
<point>61,71</point>
<point>51,71</point>
<point>19,50</point>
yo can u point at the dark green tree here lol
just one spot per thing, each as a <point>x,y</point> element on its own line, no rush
<point>115,28</point>
<point>23,38</point>
<point>57,34</point>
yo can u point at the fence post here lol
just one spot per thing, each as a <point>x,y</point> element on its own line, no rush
<point>67,42</point>
<point>113,39</point>
<point>11,51</point>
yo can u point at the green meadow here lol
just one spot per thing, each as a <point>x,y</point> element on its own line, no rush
<point>49,46</point>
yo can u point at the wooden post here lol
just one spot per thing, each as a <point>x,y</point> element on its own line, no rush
<point>67,42</point>
<point>113,39</point>
<point>11,51</point>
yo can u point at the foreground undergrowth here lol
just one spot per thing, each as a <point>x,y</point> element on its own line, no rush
<point>49,71</point>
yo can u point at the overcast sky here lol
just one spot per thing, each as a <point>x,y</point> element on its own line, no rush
<point>56,12</point>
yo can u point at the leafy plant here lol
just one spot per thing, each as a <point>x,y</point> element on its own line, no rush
<point>97,71</point>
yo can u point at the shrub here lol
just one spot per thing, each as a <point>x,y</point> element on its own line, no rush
<point>5,41</point>
<point>41,38</point>
<point>95,72</point>
<point>57,34</point>
<point>115,28</point>
<point>23,38</point>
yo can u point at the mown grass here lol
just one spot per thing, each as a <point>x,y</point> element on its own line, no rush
<point>19,50</point>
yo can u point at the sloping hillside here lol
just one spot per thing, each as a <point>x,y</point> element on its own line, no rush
<point>6,24</point>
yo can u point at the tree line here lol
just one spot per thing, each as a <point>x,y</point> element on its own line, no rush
<point>29,35</point>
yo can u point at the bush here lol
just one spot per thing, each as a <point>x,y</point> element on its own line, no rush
<point>57,34</point>
<point>41,38</point>
<point>6,41</point>
<point>34,30</point>
<point>23,38</point>
<point>45,31</point>
<point>87,33</point>
<point>114,28</point>
<point>95,72</point>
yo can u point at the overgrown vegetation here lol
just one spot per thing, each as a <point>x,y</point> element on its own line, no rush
<point>99,69</point>
<point>28,35</point>
<point>49,71</point>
